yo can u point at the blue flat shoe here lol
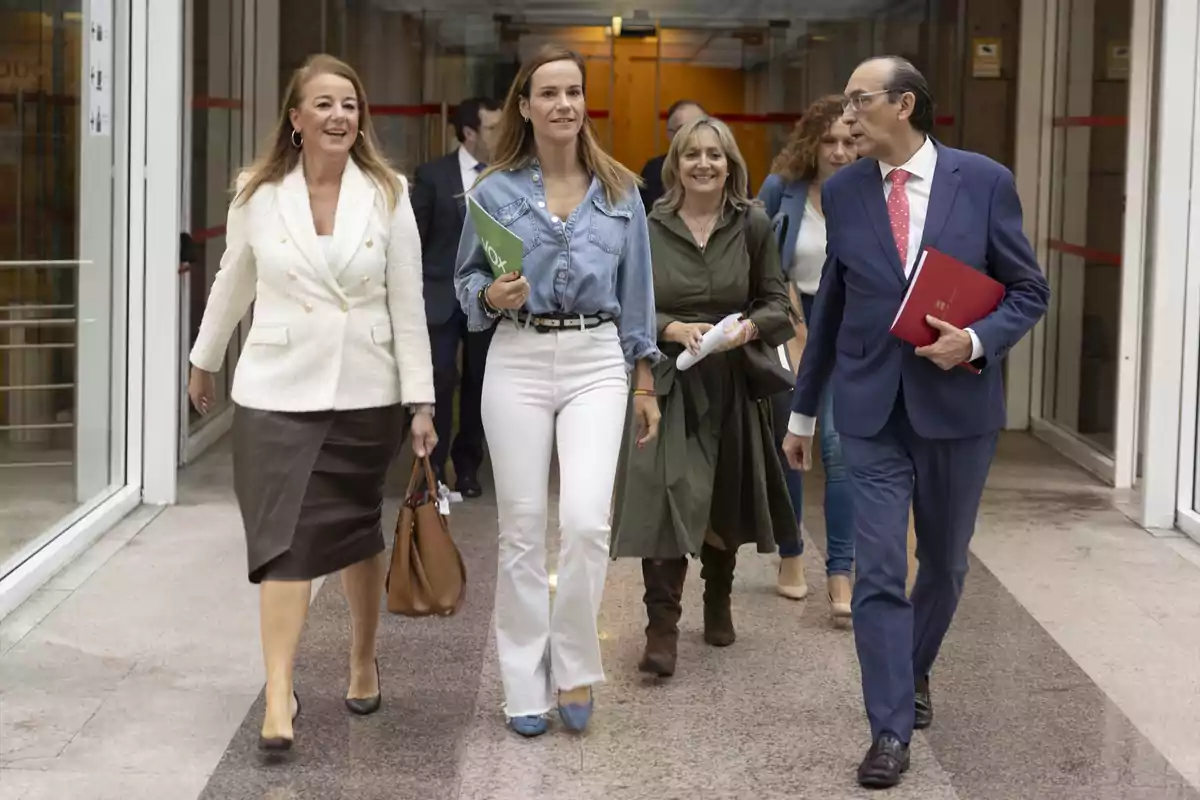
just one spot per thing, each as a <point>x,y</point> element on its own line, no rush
<point>528,726</point>
<point>576,716</point>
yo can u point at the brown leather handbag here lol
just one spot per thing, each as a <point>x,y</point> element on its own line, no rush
<point>427,575</point>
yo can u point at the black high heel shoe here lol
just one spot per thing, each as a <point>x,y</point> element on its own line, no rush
<point>280,744</point>
<point>365,706</point>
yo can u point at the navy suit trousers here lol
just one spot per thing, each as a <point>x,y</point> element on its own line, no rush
<point>942,480</point>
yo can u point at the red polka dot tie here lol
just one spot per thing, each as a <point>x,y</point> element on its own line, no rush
<point>897,206</point>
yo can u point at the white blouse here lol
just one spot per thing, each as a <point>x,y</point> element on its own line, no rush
<point>329,247</point>
<point>809,256</point>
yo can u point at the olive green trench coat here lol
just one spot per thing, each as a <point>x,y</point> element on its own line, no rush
<point>714,464</point>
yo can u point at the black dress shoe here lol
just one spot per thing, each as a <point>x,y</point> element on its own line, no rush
<point>468,485</point>
<point>365,706</point>
<point>886,761</point>
<point>923,706</point>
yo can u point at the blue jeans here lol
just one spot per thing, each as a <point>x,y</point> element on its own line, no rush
<point>839,505</point>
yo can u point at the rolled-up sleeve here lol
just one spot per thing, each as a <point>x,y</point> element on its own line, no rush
<point>635,293</point>
<point>472,273</point>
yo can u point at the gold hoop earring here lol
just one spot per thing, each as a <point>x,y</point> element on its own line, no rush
<point>296,144</point>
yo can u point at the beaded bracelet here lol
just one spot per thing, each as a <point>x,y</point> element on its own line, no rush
<point>490,310</point>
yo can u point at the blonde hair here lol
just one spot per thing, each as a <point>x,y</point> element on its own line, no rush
<point>515,147</point>
<point>737,182</point>
<point>282,155</point>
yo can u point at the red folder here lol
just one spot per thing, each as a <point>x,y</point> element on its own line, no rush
<point>948,289</point>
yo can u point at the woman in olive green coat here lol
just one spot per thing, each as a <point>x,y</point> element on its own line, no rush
<point>712,481</point>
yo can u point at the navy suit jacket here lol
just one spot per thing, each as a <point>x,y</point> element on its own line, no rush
<point>440,209</point>
<point>974,216</point>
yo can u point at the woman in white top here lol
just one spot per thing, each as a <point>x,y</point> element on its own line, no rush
<point>819,146</point>
<point>322,240</point>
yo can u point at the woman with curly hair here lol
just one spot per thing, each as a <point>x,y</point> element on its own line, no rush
<point>818,147</point>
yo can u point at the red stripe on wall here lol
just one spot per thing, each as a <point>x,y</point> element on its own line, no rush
<point>208,233</point>
<point>1086,253</point>
<point>204,101</point>
<point>432,109</point>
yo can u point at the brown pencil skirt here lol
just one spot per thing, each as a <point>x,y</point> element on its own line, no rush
<point>310,487</point>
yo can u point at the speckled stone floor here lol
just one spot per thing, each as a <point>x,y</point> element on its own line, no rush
<point>1069,674</point>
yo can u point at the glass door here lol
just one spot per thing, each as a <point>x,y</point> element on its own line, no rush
<point>63,271</point>
<point>213,153</point>
<point>756,74</point>
<point>418,64</point>
<point>1087,188</point>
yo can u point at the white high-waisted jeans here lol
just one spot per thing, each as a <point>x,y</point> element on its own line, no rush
<point>570,386</point>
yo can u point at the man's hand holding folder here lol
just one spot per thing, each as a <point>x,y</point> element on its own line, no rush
<point>944,297</point>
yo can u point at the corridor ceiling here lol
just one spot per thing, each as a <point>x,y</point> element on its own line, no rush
<point>692,13</point>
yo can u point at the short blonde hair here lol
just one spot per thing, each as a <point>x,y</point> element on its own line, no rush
<point>737,182</point>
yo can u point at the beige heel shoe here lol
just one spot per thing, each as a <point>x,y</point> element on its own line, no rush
<point>839,596</point>
<point>791,583</point>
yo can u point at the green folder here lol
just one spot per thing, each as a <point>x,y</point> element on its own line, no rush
<point>501,246</point>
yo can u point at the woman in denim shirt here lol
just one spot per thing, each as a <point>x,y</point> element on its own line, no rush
<point>576,321</point>
<point>819,146</point>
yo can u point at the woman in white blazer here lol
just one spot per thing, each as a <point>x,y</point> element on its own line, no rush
<point>322,239</point>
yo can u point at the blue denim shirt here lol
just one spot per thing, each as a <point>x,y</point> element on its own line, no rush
<point>596,261</point>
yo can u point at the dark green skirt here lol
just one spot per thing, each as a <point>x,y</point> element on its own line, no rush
<point>714,466</point>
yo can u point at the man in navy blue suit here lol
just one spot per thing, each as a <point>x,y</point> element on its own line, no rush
<point>916,428</point>
<point>438,204</point>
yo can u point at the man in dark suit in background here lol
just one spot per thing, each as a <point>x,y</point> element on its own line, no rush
<point>679,114</point>
<point>916,428</point>
<point>439,208</point>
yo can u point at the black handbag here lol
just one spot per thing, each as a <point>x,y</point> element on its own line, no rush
<point>767,373</point>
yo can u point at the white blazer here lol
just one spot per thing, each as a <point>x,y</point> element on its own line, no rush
<point>326,336</point>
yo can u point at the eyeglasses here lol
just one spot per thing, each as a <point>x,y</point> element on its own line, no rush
<point>857,102</point>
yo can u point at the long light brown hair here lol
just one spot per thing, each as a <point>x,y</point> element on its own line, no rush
<point>282,155</point>
<point>737,181</point>
<point>516,148</point>
<point>797,161</point>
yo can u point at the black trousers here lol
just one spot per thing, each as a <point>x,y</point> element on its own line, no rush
<point>467,448</point>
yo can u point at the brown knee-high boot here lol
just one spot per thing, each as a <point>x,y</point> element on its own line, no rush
<point>664,592</point>
<point>717,571</point>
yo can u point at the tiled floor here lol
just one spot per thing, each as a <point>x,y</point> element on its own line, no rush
<point>1072,672</point>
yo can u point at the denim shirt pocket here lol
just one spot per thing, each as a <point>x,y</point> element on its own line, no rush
<point>517,217</point>
<point>608,226</point>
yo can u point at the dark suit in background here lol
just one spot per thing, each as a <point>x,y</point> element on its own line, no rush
<point>440,208</point>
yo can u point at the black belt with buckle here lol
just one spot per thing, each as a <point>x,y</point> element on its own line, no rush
<point>550,323</point>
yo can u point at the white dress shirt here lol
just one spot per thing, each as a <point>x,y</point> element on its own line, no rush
<point>919,186</point>
<point>466,166</point>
